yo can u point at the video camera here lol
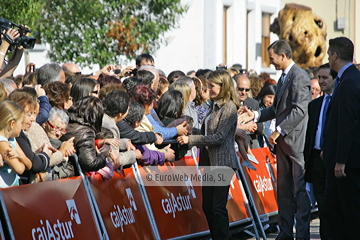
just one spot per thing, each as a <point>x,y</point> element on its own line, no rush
<point>22,40</point>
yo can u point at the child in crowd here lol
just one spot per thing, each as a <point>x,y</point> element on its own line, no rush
<point>15,161</point>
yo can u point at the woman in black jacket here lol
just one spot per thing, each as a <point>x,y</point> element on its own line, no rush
<point>85,121</point>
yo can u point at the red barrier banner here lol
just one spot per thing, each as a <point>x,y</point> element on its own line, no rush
<point>58,210</point>
<point>262,182</point>
<point>237,203</point>
<point>176,207</point>
<point>121,206</point>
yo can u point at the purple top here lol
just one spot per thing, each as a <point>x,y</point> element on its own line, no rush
<point>151,157</point>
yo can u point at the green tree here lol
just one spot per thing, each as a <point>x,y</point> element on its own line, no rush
<point>23,12</point>
<point>98,32</point>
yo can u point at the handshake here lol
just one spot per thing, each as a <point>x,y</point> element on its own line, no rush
<point>245,115</point>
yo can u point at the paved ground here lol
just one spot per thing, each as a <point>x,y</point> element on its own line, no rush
<point>314,231</point>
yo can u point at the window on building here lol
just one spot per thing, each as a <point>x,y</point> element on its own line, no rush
<point>265,39</point>
<point>225,33</point>
<point>247,36</point>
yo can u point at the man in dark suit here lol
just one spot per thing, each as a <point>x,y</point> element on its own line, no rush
<point>293,95</point>
<point>253,130</point>
<point>314,164</point>
<point>342,144</point>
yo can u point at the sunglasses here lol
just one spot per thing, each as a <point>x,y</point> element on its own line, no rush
<point>61,130</point>
<point>242,89</point>
<point>96,92</point>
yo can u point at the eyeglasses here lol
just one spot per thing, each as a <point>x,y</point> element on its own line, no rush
<point>242,89</point>
<point>61,130</point>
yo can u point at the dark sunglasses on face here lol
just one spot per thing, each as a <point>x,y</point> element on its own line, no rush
<point>242,89</point>
<point>96,92</point>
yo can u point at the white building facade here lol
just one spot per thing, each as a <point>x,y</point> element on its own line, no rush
<point>220,31</point>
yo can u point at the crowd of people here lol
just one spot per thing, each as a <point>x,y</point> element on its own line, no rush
<point>115,117</point>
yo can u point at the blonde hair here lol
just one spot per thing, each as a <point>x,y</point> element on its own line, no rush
<point>3,93</point>
<point>9,111</point>
<point>227,92</point>
<point>184,89</point>
<point>256,84</point>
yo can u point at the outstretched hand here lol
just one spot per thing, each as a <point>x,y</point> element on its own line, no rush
<point>245,115</point>
<point>106,70</point>
<point>182,129</point>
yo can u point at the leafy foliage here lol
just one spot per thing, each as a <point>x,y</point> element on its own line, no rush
<point>92,31</point>
<point>23,12</point>
<point>96,32</point>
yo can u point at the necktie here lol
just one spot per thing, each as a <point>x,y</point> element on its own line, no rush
<point>326,106</point>
<point>337,80</point>
<point>281,81</point>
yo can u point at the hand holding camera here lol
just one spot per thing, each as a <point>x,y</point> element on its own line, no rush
<point>117,69</point>
<point>221,66</point>
<point>10,35</point>
<point>16,38</point>
<point>128,72</point>
<point>30,68</point>
<point>106,70</point>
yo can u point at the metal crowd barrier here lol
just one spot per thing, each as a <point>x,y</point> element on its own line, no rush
<point>123,208</point>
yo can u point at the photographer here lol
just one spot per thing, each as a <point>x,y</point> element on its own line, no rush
<point>12,33</point>
<point>8,69</point>
<point>13,40</point>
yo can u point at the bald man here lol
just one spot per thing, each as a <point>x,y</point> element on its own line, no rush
<point>70,69</point>
<point>252,129</point>
<point>315,88</point>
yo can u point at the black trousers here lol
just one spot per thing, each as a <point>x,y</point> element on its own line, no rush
<point>318,175</point>
<point>214,200</point>
<point>342,204</point>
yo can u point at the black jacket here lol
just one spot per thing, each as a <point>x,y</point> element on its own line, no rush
<point>84,144</point>
<point>40,162</point>
<point>314,113</point>
<point>342,125</point>
<point>136,137</point>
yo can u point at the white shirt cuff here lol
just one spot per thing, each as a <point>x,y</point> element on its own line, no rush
<point>256,117</point>
<point>280,131</point>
